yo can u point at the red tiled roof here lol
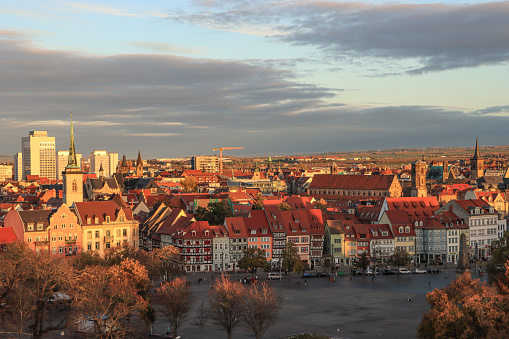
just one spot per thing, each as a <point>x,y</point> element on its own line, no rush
<point>7,236</point>
<point>366,182</point>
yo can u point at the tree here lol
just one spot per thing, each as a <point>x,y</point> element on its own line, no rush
<point>499,255</point>
<point>290,256</point>
<point>214,213</point>
<point>261,308</point>
<point>84,259</point>
<point>29,282</point>
<point>400,258</point>
<point>321,204</point>
<point>226,303</point>
<point>363,262</point>
<point>108,299</point>
<point>202,316</point>
<point>176,301</point>
<point>189,184</point>
<point>284,207</point>
<point>253,259</point>
<point>466,309</point>
<point>258,202</point>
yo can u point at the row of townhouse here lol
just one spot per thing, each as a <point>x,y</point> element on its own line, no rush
<point>86,226</point>
<point>207,247</point>
<point>428,232</point>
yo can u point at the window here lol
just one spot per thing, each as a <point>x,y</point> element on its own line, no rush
<point>89,246</point>
<point>63,226</point>
<point>118,233</point>
<point>124,232</point>
<point>30,227</point>
<point>97,245</point>
<point>39,227</point>
<point>89,235</point>
<point>108,218</point>
<point>74,186</point>
<point>60,237</point>
<point>60,249</point>
<point>71,225</point>
<point>97,234</point>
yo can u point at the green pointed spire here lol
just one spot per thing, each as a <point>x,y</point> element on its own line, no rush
<point>71,162</point>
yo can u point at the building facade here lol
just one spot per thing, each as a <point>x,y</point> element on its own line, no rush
<point>109,162</point>
<point>209,164</point>
<point>62,160</point>
<point>38,155</point>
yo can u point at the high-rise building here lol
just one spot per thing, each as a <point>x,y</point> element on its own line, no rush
<point>109,162</point>
<point>62,161</point>
<point>209,164</point>
<point>38,155</point>
<point>18,167</point>
<point>72,176</point>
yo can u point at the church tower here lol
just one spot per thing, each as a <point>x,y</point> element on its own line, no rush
<point>139,166</point>
<point>419,169</point>
<point>73,176</point>
<point>476,163</point>
<point>334,168</point>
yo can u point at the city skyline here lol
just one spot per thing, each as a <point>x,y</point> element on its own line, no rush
<point>276,77</point>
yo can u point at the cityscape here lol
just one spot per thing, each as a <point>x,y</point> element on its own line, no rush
<point>254,169</point>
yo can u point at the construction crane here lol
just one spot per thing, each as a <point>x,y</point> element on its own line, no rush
<point>220,149</point>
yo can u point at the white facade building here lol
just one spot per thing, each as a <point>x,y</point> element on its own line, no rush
<point>109,162</point>
<point>18,166</point>
<point>62,159</point>
<point>5,172</point>
<point>38,155</point>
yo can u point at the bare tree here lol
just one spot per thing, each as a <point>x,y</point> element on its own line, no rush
<point>226,304</point>
<point>29,282</point>
<point>202,316</point>
<point>108,301</point>
<point>176,301</point>
<point>261,308</point>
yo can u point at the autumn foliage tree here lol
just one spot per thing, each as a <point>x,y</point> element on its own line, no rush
<point>466,309</point>
<point>189,184</point>
<point>110,299</point>
<point>261,308</point>
<point>226,304</point>
<point>176,301</point>
<point>30,286</point>
<point>253,259</point>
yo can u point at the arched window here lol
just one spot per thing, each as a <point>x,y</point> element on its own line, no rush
<point>74,186</point>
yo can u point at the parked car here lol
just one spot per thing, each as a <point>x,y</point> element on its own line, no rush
<point>433,270</point>
<point>271,276</point>
<point>356,272</point>
<point>420,271</point>
<point>322,275</point>
<point>388,272</point>
<point>369,271</point>
<point>308,275</point>
<point>404,271</point>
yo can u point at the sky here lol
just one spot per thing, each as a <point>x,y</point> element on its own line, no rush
<point>179,78</point>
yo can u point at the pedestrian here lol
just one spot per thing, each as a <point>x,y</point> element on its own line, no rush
<point>409,299</point>
<point>168,331</point>
<point>305,282</point>
<point>429,285</point>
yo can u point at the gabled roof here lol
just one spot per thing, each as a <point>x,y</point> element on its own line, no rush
<point>398,217</point>
<point>7,236</point>
<point>100,210</point>
<point>236,227</point>
<point>364,182</point>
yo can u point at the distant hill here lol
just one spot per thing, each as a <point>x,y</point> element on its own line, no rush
<point>6,158</point>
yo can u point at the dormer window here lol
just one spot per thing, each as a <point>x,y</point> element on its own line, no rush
<point>96,220</point>
<point>206,233</point>
<point>264,231</point>
<point>39,227</point>
<point>400,230</point>
<point>108,218</point>
<point>385,233</point>
<point>407,229</point>
<point>30,227</point>
<point>193,233</point>
<point>253,231</point>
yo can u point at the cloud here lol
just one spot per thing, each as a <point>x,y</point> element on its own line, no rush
<point>174,106</point>
<point>161,47</point>
<point>430,37</point>
<point>99,9</point>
